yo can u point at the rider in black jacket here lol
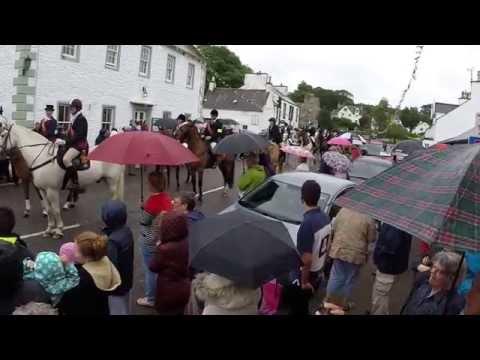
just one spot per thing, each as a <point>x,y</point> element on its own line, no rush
<point>274,132</point>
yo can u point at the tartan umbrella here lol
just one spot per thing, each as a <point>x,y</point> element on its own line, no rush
<point>434,196</point>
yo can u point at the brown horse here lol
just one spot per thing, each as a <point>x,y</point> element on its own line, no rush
<point>275,155</point>
<point>188,133</point>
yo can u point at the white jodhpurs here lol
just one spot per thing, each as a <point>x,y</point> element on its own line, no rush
<point>69,156</point>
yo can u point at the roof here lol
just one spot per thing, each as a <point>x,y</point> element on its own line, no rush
<point>444,108</point>
<point>236,99</point>
<point>284,97</point>
<point>329,184</point>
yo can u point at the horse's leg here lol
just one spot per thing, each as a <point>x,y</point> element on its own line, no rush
<point>168,176</point>
<point>200,185</point>
<point>53,197</point>
<point>71,200</point>
<point>42,201</point>
<point>50,216</point>
<point>189,174</point>
<point>26,191</point>
<point>194,180</point>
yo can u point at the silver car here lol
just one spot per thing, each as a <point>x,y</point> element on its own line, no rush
<point>279,198</point>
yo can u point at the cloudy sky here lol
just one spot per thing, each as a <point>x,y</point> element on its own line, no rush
<point>370,72</point>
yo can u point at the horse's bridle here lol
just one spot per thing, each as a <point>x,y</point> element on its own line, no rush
<point>8,153</point>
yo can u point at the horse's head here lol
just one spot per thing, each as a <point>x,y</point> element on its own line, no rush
<point>185,132</point>
<point>7,140</point>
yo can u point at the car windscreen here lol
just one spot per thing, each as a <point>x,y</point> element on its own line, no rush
<point>279,200</point>
<point>367,169</point>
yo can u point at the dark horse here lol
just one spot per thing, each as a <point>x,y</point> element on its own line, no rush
<point>188,133</point>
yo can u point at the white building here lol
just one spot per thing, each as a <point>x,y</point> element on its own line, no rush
<point>116,83</point>
<point>349,112</point>
<point>437,110</point>
<point>463,121</point>
<point>421,128</point>
<point>253,104</point>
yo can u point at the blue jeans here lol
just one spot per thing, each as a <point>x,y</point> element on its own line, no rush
<point>342,278</point>
<point>150,277</point>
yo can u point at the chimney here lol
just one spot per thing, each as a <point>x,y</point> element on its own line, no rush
<point>212,85</point>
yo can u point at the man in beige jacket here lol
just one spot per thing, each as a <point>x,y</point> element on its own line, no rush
<point>352,233</point>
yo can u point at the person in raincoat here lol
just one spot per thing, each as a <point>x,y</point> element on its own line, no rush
<point>98,278</point>
<point>253,177</point>
<point>54,274</point>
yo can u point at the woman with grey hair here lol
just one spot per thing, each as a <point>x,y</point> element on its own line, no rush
<point>431,293</point>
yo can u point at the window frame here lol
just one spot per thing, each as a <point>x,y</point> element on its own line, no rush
<point>172,79</point>
<point>110,65</point>
<point>290,113</point>
<point>284,110</point>
<point>63,124</point>
<point>255,120</point>
<point>149,63</point>
<point>112,116</point>
<point>192,77</point>
<point>75,57</point>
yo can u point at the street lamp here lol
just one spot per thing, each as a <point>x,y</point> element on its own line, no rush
<point>26,65</point>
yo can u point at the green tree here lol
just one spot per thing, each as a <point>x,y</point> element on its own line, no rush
<point>324,120</point>
<point>224,65</point>
<point>344,124</point>
<point>365,122</point>
<point>396,132</point>
<point>381,114</point>
<point>302,89</point>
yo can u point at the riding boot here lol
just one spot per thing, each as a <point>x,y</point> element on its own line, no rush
<point>67,177</point>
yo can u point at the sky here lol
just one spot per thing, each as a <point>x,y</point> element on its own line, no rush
<point>369,72</point>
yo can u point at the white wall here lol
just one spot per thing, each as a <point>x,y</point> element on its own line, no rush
<point>7,74</point>
<point>461,119</point>
<point>244,118</point>
<point>61,80</point>
<point>255,81</point>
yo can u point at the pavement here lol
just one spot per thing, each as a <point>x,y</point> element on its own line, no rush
<point>86,216</point>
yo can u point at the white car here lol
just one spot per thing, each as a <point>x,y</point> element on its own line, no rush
<point>279,198</point>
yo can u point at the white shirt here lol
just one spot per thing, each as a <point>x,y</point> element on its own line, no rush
<point>302,167</point>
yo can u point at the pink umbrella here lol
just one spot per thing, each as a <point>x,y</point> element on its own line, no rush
<point>339,141</point>
<point>297,151</point>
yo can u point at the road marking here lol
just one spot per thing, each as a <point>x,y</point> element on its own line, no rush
<point>69,227</point>
<point>7,184</point>
<point>211,191</point>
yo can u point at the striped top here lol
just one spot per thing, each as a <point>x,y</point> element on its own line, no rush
<point>154,205</point>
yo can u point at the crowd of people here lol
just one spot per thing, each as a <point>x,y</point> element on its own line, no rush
<point>94,273</point>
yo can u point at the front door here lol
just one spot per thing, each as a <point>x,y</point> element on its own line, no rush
<point>142,114</point>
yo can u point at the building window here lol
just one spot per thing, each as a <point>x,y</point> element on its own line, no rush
<point>284,112</point>
<point>190,75</point>
<point>70,52</point>
<point>112,60</point>
<point>145,57</point>
<point>108,117</point>
<point>290,113</point>
<point>170,75</point>
<point>167,115</point>
<point>63,117</point>
<point>254,121</point>
<point>298,111</point>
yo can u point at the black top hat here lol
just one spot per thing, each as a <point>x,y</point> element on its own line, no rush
<point>49,108</point>
<point>181,117</point>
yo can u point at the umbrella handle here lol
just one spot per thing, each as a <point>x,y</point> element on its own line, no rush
<point>141,183</point>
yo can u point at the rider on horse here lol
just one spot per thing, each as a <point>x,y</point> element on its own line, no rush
<point>212,133</point>
<point>48,125</point>
<point>274,132</point>
<point>76,143</point>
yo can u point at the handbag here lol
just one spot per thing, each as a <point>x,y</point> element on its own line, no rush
<point>271,294</point>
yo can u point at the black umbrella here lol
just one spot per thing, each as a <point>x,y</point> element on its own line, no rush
<point>244,142</point>
<point>408,146</point>
<point>248,249</point>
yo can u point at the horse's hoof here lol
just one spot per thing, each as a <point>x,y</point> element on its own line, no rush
<point>44,213</point>
<point>26,214</point>
<point>57,236</point>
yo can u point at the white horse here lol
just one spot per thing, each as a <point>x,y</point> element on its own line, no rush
<point>40,155</point>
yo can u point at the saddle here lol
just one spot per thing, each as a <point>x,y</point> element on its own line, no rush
<point>80,163</point>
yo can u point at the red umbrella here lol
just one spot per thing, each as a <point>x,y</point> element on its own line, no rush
<point>145,148</point>
<point>339,141</point>
<point>297,151</point>
<point>142,147</point>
